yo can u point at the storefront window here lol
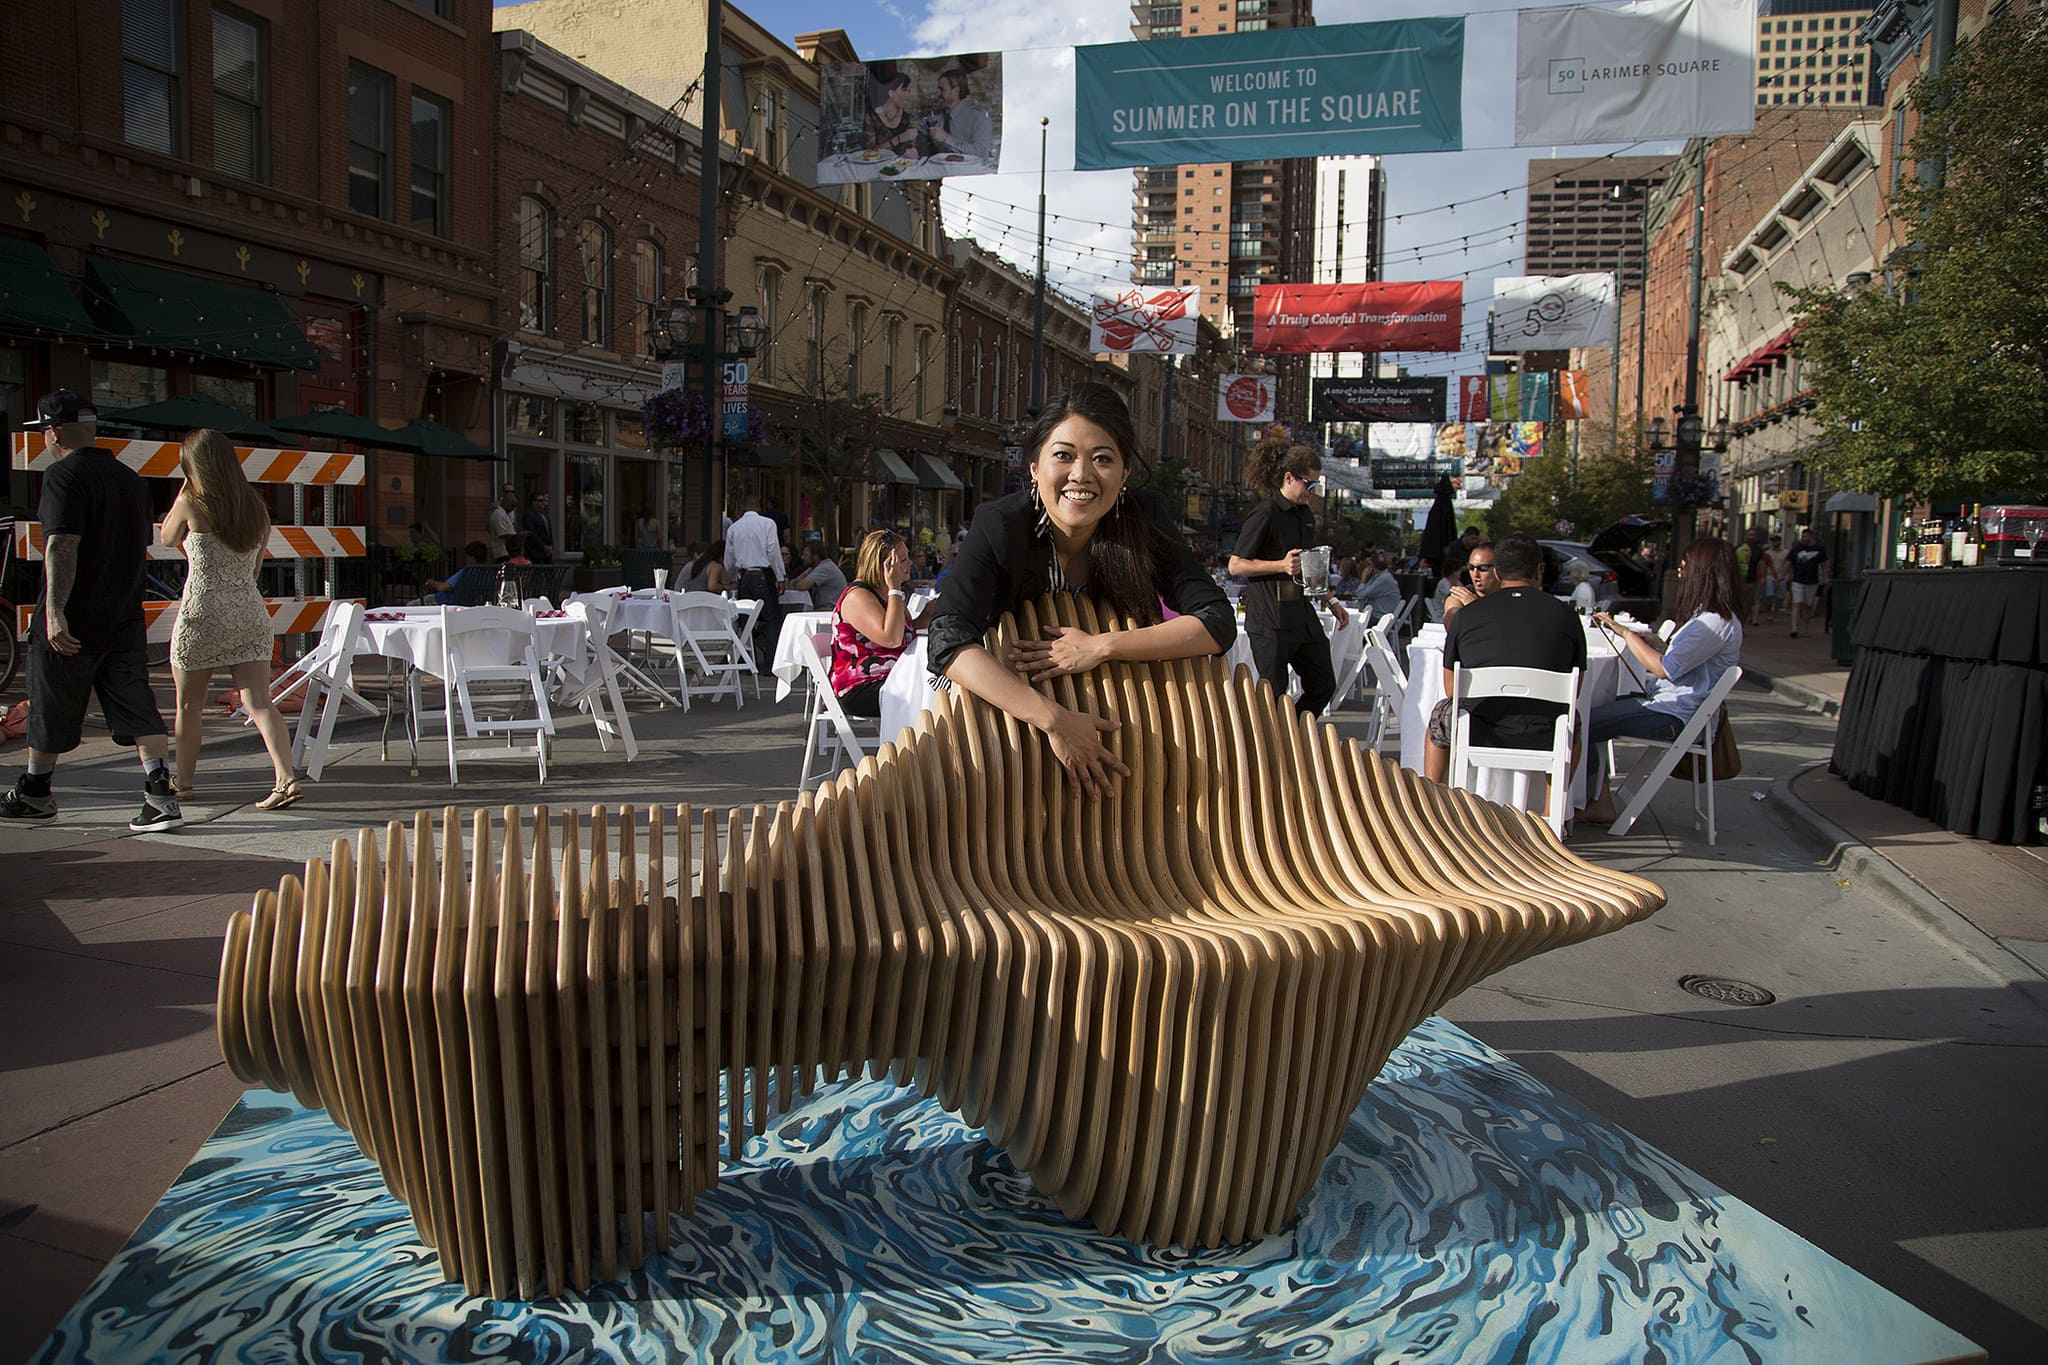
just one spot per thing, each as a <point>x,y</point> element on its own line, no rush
<point>115,385</point>
<point>639,495</point>
<point>14,398</point>
<point>236,393</point>
<point>526,416</point>
<point>628,431</point>
<point>583,424</point>
<point>680,504</point>
<point>582,520</point>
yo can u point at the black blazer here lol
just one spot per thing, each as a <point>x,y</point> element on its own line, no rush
<point>1004,563</point>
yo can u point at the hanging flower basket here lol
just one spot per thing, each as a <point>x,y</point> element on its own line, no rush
<point>678,418</point>
<point>1694,490</point>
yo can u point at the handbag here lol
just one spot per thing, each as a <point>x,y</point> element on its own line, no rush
<point>1727,757</point>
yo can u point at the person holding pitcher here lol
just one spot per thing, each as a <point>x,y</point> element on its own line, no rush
<point>1279,612</point>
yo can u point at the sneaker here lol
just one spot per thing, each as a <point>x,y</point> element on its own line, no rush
<point>160,809</point>
<point>16,803</point>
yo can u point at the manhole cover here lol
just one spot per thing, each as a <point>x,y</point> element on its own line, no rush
<point>1726,989</point>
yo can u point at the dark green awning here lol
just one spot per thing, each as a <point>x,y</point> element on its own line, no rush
<point>181,312</point>
<point>885,466</point>
<point>932,473</point>
<point>431,438</point>
<point>34,298</point>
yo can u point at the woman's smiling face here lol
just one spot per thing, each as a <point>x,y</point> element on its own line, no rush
<point>1079,471</point>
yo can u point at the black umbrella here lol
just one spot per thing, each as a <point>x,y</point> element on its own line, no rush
<point>190,412</point>
<point>341,426</point>
<point>1442,527</point>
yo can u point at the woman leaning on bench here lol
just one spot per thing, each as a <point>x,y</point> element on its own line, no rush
<point>1076,527</point>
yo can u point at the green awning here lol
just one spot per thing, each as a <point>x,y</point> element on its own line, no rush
<point>885,466</point>
<point>34,298</point>
<point>181,312</point>
<point>336,425</point>
<point>189,412</point>
<point>431,438</point>
<point>932,473</point>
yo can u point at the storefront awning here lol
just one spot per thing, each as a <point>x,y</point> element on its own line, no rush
<point>931,473</point>
<point>1764,354</point>
<point>34,298</point>
<point>885,466</point>
<point>179,312</point>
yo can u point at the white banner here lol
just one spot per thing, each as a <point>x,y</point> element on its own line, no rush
<point>1553,312</point>
<point>1401,440</point>
<point>1656,69</point>
<point>1246,397</point>
<point>1131,317</point>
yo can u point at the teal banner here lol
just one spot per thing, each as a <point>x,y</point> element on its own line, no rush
<point>1346,89</point>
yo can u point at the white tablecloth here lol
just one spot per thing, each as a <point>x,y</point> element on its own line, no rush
<point>907,690</point>
<point>413,636</point>
<point>788,664</point>
<point>1345,646</point>
<point>1606,678</point>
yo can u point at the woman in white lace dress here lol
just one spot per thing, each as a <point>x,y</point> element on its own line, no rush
<point>221,523</point>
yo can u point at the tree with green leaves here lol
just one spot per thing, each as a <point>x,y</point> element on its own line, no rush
<point>1609,480</point>
<point>1936,386</point>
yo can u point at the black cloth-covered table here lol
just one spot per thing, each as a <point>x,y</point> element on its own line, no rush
<point>1947,706</point>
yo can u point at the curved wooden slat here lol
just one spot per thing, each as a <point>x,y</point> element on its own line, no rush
<point>1163,1006</point>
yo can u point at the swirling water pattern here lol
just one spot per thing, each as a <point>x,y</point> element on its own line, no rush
<point>1470,1215</point>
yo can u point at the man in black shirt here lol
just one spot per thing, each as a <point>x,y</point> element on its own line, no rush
<point>87,634</point>
<point>1517,625</point>
<point>1279,614</point>
<point>1809,572</point>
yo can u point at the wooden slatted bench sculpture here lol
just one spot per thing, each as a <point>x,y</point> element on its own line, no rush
<point>1164,1006</point>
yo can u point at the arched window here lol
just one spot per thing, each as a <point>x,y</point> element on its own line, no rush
<point>594,246</point>
<point>536,264</point>
<point>647,286</point>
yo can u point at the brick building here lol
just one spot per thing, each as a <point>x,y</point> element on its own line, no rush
<point>597,226</point>
<point>279,206</point>
<point>849,279</point>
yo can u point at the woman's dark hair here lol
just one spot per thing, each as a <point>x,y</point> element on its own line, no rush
<point>1706,580</point>
<point>895,82</point>
<point>1271,462</point>
<point>716,551</point>
<point>1120,553</point>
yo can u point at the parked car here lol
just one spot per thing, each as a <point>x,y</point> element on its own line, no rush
<point>1620,579</point>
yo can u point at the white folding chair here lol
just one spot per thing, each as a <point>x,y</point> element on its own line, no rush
<point>327,683</point>
<point>1660,757</point>
<point>1666,628</point>
<point>745,611</point>
<point>598,693</point>
<point>315,660</point>
<point>828,730</point>
<point>1469,760</point>
<point>1389,683</point>
<point>491,697</point>
<point>1349,674</point>
<point>704,629</point>
<point>630,674</point>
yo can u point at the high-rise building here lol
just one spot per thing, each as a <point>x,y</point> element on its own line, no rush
<point>1577,222</point>
<point>1812,52</point>
<point>1223,227</point>
<point>1349,240</point>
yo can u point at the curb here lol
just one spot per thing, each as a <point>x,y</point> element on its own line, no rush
<point>1844,852</point>
<point>1806,696</point>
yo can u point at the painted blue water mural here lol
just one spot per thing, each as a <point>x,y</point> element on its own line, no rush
<point>1469,1215</point>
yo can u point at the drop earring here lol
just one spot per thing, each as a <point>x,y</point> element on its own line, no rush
<point>1044,521</point>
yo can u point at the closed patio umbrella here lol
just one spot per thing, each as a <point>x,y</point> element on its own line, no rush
<point>1442,526</point>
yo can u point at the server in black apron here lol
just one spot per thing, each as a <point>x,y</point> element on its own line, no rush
<point>1279,614</point>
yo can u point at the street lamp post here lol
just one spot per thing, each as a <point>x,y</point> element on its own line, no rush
<point>710,106</point>
<point>675,333</point>
<point>1038,294</point>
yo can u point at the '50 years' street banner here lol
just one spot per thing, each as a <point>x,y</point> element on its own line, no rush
<point>1348,88</point>
<point>1422,316</point>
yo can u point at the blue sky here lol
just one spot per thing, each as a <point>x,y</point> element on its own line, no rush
<point>1089,236</point>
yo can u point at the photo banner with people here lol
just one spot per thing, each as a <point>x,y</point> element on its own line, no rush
<point>1247,397</point>
<point>1296,319</point>
<point>1377,400</point>
<point>1653,69</point>
<point>1336,90</point>
<point>1127,318</point>
<point>1554,312</point>
<point>910,118</point>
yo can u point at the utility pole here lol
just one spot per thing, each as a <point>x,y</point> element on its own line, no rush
<point>708,273</point>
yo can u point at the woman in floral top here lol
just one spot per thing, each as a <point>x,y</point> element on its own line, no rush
<point>871,623</point>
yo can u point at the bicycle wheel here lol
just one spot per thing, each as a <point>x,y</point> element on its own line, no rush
<point>10,649</point>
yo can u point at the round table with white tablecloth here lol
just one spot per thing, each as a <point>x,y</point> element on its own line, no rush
<point>413,635</point>
<point>788,663</point>
<point>1607,677</point>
